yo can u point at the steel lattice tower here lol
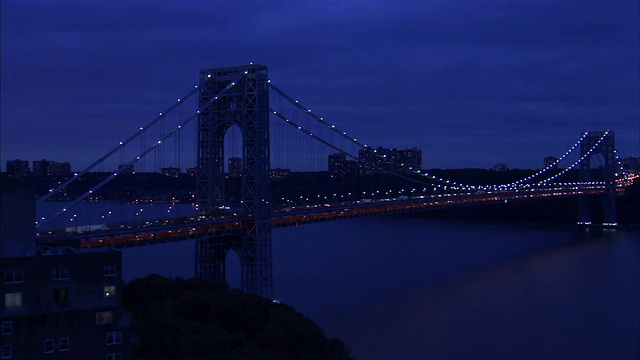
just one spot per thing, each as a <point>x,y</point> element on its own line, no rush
<point>246,104</point>
<point>607,148</point>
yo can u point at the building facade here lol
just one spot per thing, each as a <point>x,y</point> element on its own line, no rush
<point>279,174</point>
<point>339,166</point>
<point>170,172</point>
<point>18,168</point>
<point>631,164</point>
<point>55,303</point>
<point>382,159</point>
<point>63,304</point>
<point>500,167</point>
<point>48,168</point>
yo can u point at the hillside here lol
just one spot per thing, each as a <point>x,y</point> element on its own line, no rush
<point>194,319</point>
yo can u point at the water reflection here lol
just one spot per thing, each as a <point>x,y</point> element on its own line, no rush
<point>414,288</point>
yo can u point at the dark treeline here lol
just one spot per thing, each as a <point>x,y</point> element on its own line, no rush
<point>124,187</point>
<point>194,319</point>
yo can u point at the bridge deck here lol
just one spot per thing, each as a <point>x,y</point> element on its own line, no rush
<point>193,228</point>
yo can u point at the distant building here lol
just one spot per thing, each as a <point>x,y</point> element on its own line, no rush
<point>126,169</point>
<point>339,166</point>
<point>170,172</point>
<point>47,168</point>
<point>500,167</point>
<point>57,303</point>
<point>235,167</point>
<point>631,163</point>
<point>279,174</point>
<point>550,160</point>
<point>381,159</point>
<point>18,168</point>
<point>61,169</point>
<point>42,168</point>
<point>194,171</point>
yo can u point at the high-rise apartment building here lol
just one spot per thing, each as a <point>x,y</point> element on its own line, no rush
<point>18,168</point>
<point>339,166</point>
<point>631,163</point>
<point>381,159</point>
<point>47,168</point>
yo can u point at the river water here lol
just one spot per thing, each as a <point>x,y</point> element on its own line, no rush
<point>408,287</point>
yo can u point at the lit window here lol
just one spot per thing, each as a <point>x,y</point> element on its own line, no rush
<point>13,299</point>
<point>116,356</point>
<point>114,338</point>
<point>104,317</point>
<point>13,277</point>
<point>7,352</point>
<point>48,346</point>
<point>109,270</point>
<point>109,290</point>
<point>63,344</point>
<point>7,327</point>
<point>60,273</point>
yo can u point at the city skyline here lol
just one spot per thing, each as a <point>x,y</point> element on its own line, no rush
<point>470,84</point>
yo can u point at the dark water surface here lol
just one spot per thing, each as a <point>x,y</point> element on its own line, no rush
<point>414,288</point>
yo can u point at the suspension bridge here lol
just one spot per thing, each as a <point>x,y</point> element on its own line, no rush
<point>273,130</point>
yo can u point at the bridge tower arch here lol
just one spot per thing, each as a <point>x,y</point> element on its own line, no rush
<point>599,143</point>
<point>246,104</point>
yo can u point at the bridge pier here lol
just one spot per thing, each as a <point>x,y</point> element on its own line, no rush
<point>211,255</point>
<point>255,261</point>
<point>602,143</point>
<point>245,104</point>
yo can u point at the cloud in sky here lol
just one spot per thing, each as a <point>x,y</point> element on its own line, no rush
<point>456,78</point>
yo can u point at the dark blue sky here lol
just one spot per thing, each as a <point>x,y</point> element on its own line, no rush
<point>472,83</point>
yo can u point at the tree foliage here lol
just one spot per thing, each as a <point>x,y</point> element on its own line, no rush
<point>194,319</point>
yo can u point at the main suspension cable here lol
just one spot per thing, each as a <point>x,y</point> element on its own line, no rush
<point>121,145</point>
<point>352,140</point>
<point>137,158</point>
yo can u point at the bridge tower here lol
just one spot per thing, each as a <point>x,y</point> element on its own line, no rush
<point>603,143</point>
<point>246,105</point>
